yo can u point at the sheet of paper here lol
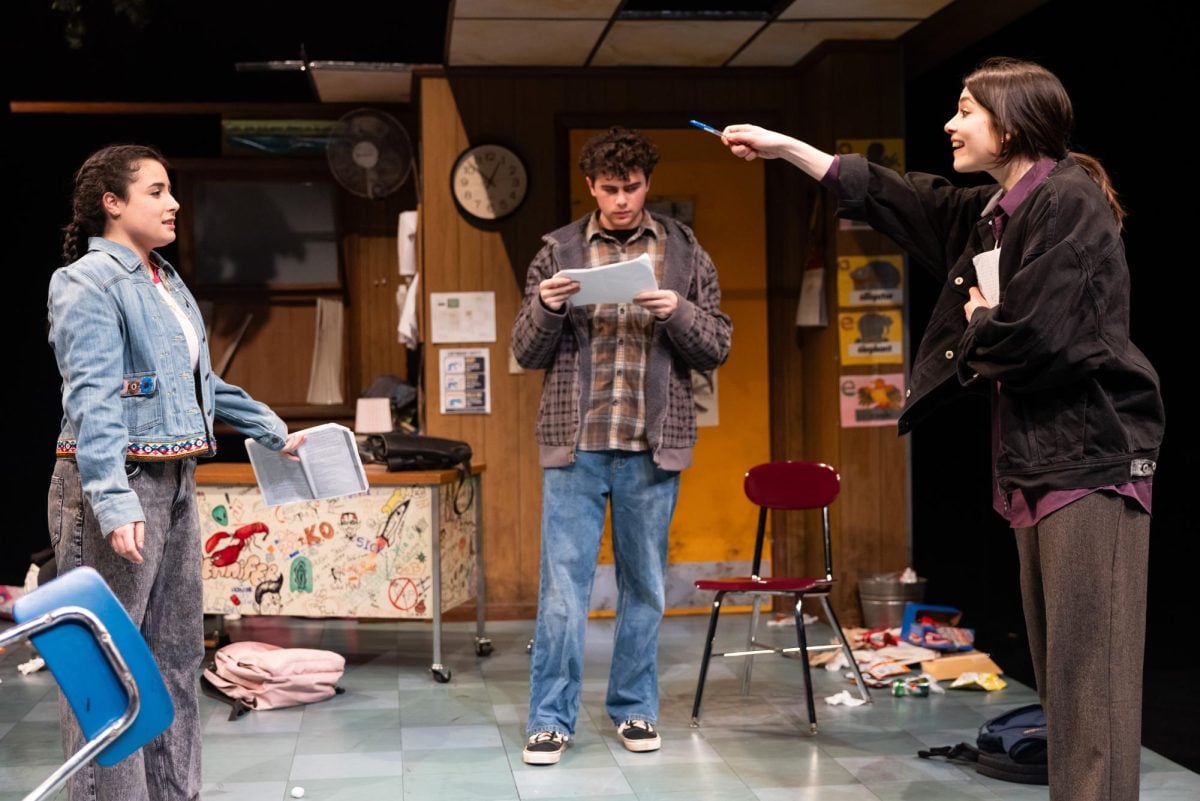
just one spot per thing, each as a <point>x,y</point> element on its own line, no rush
<point>462,316</point>
<point>466,381</point>
<point>811,310</point>
<point>987,272</point>
<point>613,283</point>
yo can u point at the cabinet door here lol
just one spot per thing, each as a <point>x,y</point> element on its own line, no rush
<point>373,281</point>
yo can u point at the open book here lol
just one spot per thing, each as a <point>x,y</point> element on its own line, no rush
<point>329,467</point>
<point>612,283</point>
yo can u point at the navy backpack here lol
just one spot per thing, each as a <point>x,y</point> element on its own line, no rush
<point>1011,747</point>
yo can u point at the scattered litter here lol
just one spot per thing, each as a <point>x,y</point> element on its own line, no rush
<point>978,681</point>
<point>32,666</point>
<point>297,792</point>
<point>916,687</point>
<point>782,619</point>
<point>844,697</point>
<point>836,662</point>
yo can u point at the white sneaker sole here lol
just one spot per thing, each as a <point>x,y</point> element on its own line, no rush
<point>542,757</point>
<point>640,746</point>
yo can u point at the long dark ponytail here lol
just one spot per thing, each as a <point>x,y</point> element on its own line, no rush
<point>1033,117</point>
<point>110,169</point>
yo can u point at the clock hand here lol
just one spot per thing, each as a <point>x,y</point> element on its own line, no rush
<point>488,179</point>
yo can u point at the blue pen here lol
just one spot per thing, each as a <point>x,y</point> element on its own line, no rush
<point>704,127</point>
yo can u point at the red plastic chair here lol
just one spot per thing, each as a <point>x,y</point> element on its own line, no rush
<point>781,485</point>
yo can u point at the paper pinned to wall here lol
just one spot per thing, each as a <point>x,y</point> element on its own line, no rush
<point>811,310</point>
<point>462,316</point>
<point>406,242</point>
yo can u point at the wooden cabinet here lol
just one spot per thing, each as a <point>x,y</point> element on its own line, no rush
<point>263,241</point>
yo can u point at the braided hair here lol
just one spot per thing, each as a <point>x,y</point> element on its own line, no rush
<point>110,169</point>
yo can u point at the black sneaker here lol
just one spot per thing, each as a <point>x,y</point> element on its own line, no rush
<point>544,748</point>
<point>639,735</point>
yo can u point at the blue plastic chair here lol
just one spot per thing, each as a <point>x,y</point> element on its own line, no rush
<point>101,664</point>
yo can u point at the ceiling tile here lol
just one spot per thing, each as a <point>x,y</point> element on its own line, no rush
<point>861,9</point>
<point>361,83</point>
<point>688,43</point>
<point>534,9</point>
<point>783,44</point>
<point>510,42</point>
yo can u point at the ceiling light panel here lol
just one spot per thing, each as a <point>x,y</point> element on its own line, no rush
<point>534,9</point>
<point>688,43</point>
<point>523,42</point>
<point>861,9</point>
<point>783,44</point>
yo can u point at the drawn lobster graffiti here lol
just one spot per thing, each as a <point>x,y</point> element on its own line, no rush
<point>230,553</point>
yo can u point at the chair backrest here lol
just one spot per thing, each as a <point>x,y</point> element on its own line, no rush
<point>83,672</point>
<point>792,485</point>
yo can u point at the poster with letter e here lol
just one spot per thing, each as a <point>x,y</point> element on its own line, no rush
<point>871,400</point>
<point>465,381</point>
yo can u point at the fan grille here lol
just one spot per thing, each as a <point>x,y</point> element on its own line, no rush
<point>370,153</point>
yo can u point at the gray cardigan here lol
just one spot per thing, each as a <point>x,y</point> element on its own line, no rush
<point>695,336</point>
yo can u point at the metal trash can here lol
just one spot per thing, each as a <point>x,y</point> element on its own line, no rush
<point>883,597</point>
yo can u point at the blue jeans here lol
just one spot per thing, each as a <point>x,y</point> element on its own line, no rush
<point>574,500</point>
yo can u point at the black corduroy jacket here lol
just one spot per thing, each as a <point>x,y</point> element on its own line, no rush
<point>1078,403</point>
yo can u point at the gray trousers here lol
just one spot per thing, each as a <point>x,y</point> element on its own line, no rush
<point>163,596</point>
<point>1083,587</point>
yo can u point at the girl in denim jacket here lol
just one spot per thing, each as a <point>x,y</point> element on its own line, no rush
<point>139,402</point>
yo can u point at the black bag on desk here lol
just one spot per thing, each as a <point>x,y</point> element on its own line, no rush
<point>400,451</point>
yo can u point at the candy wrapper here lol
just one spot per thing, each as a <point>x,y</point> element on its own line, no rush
<point>918,687</point>
<point>8,596</point>
<point>978,681</point>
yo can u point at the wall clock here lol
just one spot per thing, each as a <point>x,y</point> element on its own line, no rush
<point>488,182</point>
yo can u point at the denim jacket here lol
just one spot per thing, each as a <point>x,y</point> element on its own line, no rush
<point>128,389</point>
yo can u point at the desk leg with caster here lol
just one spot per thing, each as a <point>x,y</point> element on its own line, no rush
<point>483,644</point>
<point>440,672</point>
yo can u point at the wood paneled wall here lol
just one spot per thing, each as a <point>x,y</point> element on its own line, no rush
<point>858,86</point>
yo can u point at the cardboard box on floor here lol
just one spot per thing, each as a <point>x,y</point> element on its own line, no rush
<point>951,666</point>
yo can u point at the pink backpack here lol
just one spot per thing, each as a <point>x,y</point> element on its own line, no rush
<point>258,675</point>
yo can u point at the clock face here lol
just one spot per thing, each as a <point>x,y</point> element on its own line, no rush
<point>488,182</point>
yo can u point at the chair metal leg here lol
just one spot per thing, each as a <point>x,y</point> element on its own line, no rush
<point>802,641</point>
<point>748,664</point>
<point>708,645</point>
<point>841,635</point>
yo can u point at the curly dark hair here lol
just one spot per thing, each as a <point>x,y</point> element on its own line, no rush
<point>110,169</point>
<point>618,152</point>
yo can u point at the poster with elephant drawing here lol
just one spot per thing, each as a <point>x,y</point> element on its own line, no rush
<point>361,556</point>
<point>871,337</point>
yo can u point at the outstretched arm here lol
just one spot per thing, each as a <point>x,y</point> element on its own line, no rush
<point>751,142</point>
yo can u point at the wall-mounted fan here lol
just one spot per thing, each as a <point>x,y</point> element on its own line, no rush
<point>369,153</point>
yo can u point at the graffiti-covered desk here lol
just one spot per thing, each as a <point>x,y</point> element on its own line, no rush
<point>410,547</point>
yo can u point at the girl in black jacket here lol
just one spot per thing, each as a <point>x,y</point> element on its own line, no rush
<point>1035,302</point>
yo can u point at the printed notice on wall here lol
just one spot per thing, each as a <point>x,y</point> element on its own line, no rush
<point>465,381</point>
<point>462,317</point>
<point>871,400</point>
<point>872,337</point>
<point>870,280</point>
